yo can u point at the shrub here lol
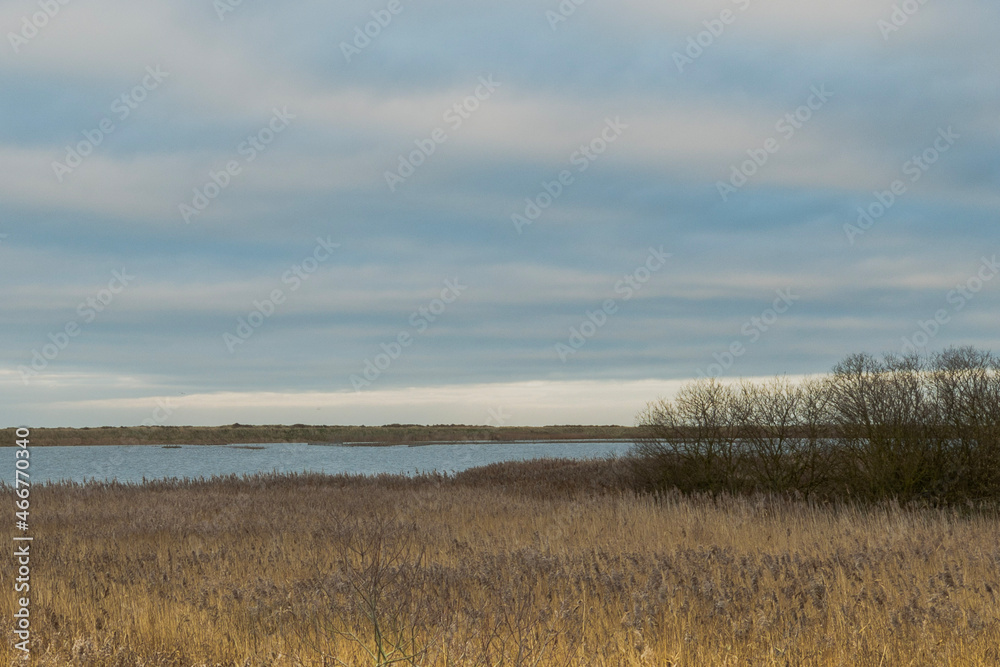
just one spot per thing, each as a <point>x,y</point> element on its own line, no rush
<point>905,427</point>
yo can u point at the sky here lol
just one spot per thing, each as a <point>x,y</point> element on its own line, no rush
<point>486,213</point>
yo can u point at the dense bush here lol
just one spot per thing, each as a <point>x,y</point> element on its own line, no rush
<point>904,427</point>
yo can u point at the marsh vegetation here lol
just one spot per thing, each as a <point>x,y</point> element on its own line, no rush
<point>533,563</point>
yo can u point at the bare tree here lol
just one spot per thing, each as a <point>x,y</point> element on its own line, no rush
<point>966,387</point>
<point>692,441</point>
<point>904,427</point>
<point>782,435</point>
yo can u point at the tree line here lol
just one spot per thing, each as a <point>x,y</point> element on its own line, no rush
<point>906,427</point>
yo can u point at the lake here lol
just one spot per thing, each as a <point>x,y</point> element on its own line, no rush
<point>135,462</point>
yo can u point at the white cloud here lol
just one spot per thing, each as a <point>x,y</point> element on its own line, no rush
<point>527,403</point>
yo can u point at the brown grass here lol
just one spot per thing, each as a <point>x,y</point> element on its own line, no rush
<point>495,567</point>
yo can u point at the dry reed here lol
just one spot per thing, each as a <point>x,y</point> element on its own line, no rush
<point>495,567</point>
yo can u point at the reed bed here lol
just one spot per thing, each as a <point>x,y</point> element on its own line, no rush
<point>495,567</point>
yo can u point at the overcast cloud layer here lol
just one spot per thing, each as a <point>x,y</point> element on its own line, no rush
<point>517,212</point>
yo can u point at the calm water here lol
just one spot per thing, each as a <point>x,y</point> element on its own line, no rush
<point>133,463</point>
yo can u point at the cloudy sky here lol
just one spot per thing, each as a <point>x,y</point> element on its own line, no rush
<point>520,212</point>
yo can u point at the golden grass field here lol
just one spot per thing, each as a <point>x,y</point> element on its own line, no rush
<point>538,563</point>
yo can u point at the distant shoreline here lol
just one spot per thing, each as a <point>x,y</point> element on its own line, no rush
<point>348,436</point>
<point>463,442</point>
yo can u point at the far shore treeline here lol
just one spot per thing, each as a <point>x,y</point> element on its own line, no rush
<point>391,434</point>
